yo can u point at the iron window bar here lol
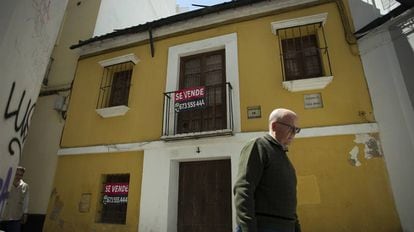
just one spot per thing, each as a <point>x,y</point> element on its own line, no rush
<point>106,89</point>
<point>170,116</point>
<point>303,34</point>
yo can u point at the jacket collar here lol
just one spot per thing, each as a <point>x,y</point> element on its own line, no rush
<point>274,141</point>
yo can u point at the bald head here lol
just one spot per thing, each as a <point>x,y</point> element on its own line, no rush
<point>279,115</point>
<point>282,124</point>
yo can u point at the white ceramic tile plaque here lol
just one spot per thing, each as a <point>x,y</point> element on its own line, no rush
<point>254,112</point>
<point>313,101</point>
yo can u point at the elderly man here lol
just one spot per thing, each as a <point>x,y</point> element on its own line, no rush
<point>265,189</point>
<point>15,211</point>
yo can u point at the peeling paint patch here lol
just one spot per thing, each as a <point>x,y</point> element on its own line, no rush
<point>372,148</point>
<point>353,158</point>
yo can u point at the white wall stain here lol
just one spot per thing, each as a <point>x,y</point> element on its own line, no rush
<point>354,156</point>
<point>372,148</point>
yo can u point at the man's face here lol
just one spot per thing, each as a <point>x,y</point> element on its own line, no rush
<point>285,129</point>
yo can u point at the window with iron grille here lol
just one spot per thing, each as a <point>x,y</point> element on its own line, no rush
<point>112,207</point>
<point>304,52</point>
<point>115,85</point>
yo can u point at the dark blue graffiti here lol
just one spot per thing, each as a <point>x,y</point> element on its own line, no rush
<point>21,121</point>
<point>4,186</point>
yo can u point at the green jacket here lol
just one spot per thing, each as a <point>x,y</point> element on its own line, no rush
<point>265,189</point>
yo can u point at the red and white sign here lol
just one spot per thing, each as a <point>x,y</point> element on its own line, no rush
<point>183,95</point>
<point>116,189</point>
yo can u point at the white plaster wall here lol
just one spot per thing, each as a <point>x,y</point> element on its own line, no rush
<point>42,143</point>
<point>114,14</point>
<point>365,11</point>
<point>402,34</point>
<point>40,157</point>
<point>28,33</point>
<point>394,114</point>
<point>6,11</point>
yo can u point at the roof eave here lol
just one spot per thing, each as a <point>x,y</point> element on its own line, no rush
<point>172,26</point>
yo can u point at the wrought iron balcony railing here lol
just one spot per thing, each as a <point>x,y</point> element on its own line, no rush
<point>210,114</point>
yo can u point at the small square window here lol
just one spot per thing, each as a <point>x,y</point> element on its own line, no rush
<point>112,207</point>
<point>115,85</point>
<point>302,56</point>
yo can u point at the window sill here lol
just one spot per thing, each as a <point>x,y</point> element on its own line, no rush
<point>307,84</point>
<point>113,111</point>
<point>196,135</point>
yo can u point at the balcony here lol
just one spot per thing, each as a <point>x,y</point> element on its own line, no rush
<point>209,115</point>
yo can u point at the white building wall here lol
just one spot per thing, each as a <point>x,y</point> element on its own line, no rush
<point>42,143</point>
<point>27,35</point>
<point>402,34</point>
<point>114,14</point>
<point>387,54</point>
<point>394,113</point>
<point>40,157</point>
<point>364,11</point>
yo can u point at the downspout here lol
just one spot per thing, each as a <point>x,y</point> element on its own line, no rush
<point>151,40</point>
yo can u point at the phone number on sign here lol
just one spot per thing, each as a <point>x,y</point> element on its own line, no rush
<point>190,105</point>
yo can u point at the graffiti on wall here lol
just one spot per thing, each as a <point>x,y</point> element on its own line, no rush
<point>21,116</point>
<point>19,113</point>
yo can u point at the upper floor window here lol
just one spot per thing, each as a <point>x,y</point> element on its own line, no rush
<point>208,70</point>
<point>301,55</point>
<point>115,85</point>
<point>209,66</point>
<point>304,55</point>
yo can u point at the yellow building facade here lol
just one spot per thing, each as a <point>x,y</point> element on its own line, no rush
<point>170,158</point>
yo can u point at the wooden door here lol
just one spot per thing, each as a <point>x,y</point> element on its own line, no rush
<point>204,198</point>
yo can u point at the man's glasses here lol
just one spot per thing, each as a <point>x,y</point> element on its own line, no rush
<point>294,129</point>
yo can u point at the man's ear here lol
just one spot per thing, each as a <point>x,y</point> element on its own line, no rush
<point>273,126</point>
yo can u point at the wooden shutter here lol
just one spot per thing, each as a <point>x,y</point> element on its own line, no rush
<point>120,88</point>
<point>206,69</point>
<point>301,58</point>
